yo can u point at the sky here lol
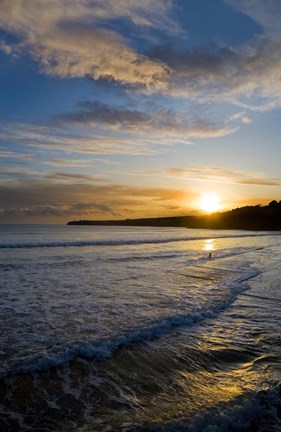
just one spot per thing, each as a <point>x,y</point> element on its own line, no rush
<point>113,109</point>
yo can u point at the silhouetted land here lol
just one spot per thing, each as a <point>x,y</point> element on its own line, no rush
<point>246,218</point>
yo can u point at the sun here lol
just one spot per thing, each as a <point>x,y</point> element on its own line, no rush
<point>209,202</point>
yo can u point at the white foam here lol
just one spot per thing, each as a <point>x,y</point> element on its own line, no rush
<point>104,348</point>
<point>61,304</point>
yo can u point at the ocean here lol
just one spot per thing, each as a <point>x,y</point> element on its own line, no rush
<point>138,329</point>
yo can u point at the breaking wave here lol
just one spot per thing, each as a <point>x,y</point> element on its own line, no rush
<point>120,242</point>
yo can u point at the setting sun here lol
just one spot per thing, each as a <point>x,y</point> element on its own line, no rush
<point>209,202</point>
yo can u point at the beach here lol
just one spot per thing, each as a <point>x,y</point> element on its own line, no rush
<point>139,329</point>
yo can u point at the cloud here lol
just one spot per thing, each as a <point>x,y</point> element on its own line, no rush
<point>93,112</point>
<point>59,201</point>
<point>73,37</point>
<point>154,123</point>
<point>70,177</point>
<point>266,13</point>
<point>8,154</point>
<point>67,163</point>
<point>46,139</point>
<point>141,134</point>
<point>222,175</point>
<point>8,172</point>
<point>242,117</point>
<point>189,63</point>
<point>229,74</point>
<point>42,15</point>
<point>85,39</point>
<point>6,48</point>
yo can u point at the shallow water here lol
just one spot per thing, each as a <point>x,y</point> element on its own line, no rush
<point>135,329</point>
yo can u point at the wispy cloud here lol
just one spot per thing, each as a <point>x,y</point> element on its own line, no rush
<point>71,177</point>
<point>266,13</point>
<point>70,141</point>
<point>222,175</point>
<point>15,155</point>
<point>67,163</point>
<point>133,133</point>
<point>10,172</point>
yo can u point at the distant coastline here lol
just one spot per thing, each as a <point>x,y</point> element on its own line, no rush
<point>261,218</point>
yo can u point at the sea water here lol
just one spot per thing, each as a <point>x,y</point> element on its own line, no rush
<point>139,329</point>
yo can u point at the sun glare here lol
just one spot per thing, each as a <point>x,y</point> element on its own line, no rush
<point>209,202</point>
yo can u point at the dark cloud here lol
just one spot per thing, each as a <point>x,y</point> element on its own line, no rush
<point>97,112</point>
<point>152,123</point>
<point>193,62</point>
<point>74,177</point>
<point>49,201</point>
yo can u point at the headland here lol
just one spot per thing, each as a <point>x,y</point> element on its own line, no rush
<point>260,218</point>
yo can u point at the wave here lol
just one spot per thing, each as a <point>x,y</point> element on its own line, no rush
<point>104,348</point>
<point>127,242</point>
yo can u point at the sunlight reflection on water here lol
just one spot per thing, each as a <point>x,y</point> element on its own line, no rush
<point>209,245</point>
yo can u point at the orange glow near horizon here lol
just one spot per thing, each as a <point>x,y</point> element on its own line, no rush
<point>210,202</point>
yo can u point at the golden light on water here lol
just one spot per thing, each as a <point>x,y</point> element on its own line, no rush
<point>209,245</point>
<point>210,202</point>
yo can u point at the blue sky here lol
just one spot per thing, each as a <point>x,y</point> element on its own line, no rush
<point>121,108</point>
